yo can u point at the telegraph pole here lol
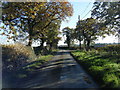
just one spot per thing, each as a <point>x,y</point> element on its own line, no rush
<point>79,31</point>
<point>79,18</point>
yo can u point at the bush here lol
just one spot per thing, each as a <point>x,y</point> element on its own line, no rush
<point>16,55</point>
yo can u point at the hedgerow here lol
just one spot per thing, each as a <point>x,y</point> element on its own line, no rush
<point>16,55</point>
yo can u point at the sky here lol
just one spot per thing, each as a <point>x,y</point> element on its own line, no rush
<point>82,8</point>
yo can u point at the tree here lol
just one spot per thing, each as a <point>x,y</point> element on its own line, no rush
<point>27,16</point>
<point>90,30</point>
<point>78,33</point>
<point>68,32</point>
<point>52,34</point>
<point>108,13</point>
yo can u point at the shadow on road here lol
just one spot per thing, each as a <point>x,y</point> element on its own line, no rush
<point>60,72</point>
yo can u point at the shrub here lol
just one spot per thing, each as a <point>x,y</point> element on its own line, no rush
<point>16,55</point>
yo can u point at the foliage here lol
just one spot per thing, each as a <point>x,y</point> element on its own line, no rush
<point>32,18</point>
<point>78,33</point>
<point>15,56</point>
<point>108,13</point>
<point>52,34</point>
<point>105,20</point>
<point>69,35</point>
<point>89,30</point>
<point>111,80</point>
<point>102,64</point>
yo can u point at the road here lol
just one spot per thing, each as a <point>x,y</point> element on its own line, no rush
<point>61,72</point>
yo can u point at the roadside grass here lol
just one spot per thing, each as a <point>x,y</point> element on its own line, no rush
<point>19,63</point>
<point>40,61</point>
<point>17,57</point>
<point>30,69</point>
<point>103,66</point>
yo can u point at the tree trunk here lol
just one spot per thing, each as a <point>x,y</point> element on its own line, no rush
<point>50,49</point>
<point>79,44</point>
<point>30,41</point>
<point>84,42</point>
<point>68,45</point>
<point>88,45</point>
<point>30,33</point>
<point>55,45</point>
<point>42,43</point>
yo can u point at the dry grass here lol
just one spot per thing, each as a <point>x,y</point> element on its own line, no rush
<point>16,55</point>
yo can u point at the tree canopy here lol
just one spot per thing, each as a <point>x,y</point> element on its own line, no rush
<point>89,30</point>
<point>33,17</point>
<point>68,32</point>
<point>108,13</point>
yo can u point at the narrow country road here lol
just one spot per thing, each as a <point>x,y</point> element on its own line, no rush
<point>61,72</point>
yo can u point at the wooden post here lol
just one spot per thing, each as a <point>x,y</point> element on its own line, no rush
<point>79,32</point>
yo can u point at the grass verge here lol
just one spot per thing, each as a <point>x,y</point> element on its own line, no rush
<point>39,62</point>
<point>26,72</point>
<point>103,66</point>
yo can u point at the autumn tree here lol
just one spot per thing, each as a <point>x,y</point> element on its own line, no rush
<point>52,37</point>
<point>27,16</point>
